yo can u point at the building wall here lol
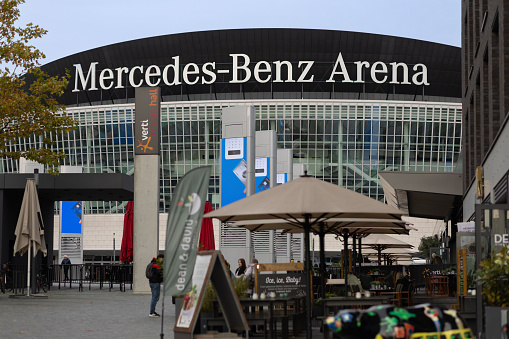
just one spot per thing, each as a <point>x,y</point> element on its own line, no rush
<point>342,142</point>
<point>495,168</point>
<point>485,67</point>
<point>345,142</point>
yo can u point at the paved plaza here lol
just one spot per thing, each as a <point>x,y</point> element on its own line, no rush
<point>96,313</point>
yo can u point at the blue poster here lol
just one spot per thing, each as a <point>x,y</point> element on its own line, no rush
<point>71,216</point>
<point>262,176</point>
<point>233,170</point>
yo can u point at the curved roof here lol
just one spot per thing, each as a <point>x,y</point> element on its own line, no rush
<point>215,52</point>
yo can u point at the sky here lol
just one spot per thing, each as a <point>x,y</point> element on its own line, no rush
<point>76,26</point>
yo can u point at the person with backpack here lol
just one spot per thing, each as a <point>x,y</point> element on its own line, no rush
<point>154,274</point>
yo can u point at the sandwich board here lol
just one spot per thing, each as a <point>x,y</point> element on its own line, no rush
<point>209,266</point>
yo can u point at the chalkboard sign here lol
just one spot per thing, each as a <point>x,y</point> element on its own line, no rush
<point>209,267</point>
<point>287,285</point>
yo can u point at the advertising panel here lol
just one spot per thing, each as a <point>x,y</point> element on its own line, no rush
<point>71,216</point>
<point>262,174</point>
<point>147,121</point>
<point>233,170</point>
<point>282,178</point>
<point>283,285</point>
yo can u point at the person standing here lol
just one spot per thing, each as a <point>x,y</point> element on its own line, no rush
<point>436,259</point>
<point>155,280</point>
<point>250,271</point>
<point>66,263</point>
<point>241,269</point>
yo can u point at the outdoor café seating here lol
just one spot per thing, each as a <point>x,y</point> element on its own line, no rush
<point>400,297</point>
<point>437,286</point>
<point>276,317</point>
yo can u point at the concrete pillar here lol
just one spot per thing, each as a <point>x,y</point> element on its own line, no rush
<point>146,218</point>
<point>147,125</point>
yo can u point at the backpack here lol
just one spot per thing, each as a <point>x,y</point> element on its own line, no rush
<point>149,272</point>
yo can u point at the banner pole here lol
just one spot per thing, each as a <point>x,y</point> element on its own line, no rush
<point>162,316</point>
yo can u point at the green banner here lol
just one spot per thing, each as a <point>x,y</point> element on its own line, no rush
<point>183,230</point>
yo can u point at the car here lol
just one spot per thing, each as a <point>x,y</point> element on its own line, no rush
<point>419,261</point>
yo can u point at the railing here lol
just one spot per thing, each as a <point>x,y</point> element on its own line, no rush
<point>78,275</point>
<point>417,273</point>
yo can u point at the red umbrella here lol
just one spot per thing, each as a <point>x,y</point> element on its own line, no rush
<point>126,249</point>
<point>207,232</point>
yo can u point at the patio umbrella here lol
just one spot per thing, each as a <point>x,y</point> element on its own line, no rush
<point>380,242</point>
<point>30,228</point>
<point>206,241</point>
<point>391,253</point>
<point>306,201</point>
<point>126,247</point>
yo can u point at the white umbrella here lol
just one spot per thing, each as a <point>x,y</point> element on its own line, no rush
<point>380,242</point>
<point>306,201</point>
<point>30,228</point>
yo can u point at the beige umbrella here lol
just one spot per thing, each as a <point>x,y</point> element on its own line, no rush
<point>30,229</point>
<point>306,201</point>
<point>333,225</point>
<point>396,253</point>
<point>380,242</point>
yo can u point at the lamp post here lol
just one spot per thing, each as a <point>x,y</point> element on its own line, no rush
<point>113,260</point>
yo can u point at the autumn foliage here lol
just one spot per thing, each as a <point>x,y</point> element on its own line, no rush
<point>30,115</point>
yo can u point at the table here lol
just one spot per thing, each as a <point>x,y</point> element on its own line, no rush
<point>335,303</point>
<point>378,291</point>
<point>345,302</point>
<point>332,285</point>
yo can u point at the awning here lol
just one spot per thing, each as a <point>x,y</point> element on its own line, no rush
<point>422,194</point>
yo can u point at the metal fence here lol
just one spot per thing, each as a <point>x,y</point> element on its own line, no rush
<point>69,276</point>
<point>417,273</point>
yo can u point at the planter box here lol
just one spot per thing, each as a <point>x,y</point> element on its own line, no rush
<point>496,317</point>
<point>467,304</point>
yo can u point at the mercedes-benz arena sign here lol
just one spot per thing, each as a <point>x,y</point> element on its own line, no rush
<point>262,63</point>
<point>243,70</point>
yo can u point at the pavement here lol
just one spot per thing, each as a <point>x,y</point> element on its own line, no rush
<point>96,313</point>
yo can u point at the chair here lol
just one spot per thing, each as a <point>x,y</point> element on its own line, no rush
<point>397,298</point>
<point>407,297</point>
<point>317,291</point>
<point>353,289</point>
<point>440,286</point>
<point>428,286</point>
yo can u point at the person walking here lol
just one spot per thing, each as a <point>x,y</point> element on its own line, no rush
<point>155,278</point>
<point>241,269</point>
<point>66,263</point>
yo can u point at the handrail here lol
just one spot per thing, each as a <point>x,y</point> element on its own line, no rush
<point>78,275</point>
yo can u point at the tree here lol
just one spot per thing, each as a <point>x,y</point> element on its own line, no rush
<point>426,244</point>
<point>30,115</point>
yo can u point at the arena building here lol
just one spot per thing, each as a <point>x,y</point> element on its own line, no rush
<point>347,104</point>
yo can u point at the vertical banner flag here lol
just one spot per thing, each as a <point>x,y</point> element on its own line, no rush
<point>183,230</point>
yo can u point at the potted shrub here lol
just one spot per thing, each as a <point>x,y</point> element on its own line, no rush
<point>450,270</point>
<point>494,277</point>
<point>317,310</point>
<point>239,285</point>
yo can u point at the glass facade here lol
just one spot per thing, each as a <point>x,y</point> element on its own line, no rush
<point>345,142</point>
